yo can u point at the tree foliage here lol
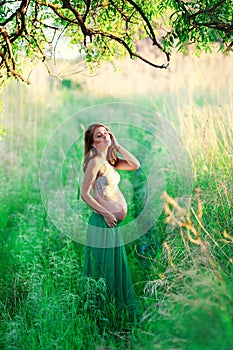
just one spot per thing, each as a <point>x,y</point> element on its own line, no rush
<point>105,29</point>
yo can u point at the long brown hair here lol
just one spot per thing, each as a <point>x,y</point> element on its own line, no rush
<point>90,151</point>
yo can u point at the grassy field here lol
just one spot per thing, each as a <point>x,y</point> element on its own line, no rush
<point>182,276</point>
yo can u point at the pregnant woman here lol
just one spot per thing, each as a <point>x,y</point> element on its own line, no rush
<point>105,252</point>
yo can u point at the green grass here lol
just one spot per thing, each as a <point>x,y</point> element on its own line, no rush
<point>44,301</point>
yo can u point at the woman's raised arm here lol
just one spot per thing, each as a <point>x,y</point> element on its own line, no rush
<point>129,162</point>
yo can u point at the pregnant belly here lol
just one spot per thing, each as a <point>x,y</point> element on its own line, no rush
<point>117,207</point>
<point>121,214</point>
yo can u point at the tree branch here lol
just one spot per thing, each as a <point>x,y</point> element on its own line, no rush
<point>5,35</point>
<point>230,46</point>
<point>88,5</point>
<point>26,17</point>
<point>120,11</point>
<point>12,71</point>
<point>219,26</point>
<point>131,53</point>
<point>151,32</point>
<point>67,5</point>
<point>21,11</point>
<point>55,10</point>
<point>9,19</point>
<point>37,45</point>
<point>210,9</point>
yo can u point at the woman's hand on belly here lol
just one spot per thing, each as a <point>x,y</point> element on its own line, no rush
<point>114,212</point>
<point>110,219</point>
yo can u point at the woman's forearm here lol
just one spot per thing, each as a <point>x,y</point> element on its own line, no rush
<point>94,204</point>
<point>130,159</point>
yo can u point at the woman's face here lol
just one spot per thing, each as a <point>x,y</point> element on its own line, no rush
<point>101,137</point>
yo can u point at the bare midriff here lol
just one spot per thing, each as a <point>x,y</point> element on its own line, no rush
<point>107,193</point>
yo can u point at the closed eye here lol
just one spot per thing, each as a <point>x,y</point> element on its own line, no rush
<point>99,135</point>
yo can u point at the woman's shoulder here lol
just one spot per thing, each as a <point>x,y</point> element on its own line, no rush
<point>96,163</point>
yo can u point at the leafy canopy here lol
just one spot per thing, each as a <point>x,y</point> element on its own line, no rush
<point>105,29</point>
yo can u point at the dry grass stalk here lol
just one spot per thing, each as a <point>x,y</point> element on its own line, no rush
<point>227,236</point>
<point>176,215</point>
<point>169,256</point>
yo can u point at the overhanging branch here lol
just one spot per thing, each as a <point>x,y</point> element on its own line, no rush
<point>128,49</point>
<point>25,22</point>
<point>55,9</point>
<point>207,10</point>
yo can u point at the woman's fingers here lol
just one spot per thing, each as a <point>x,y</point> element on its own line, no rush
<point>113,138</point>
<point>112,221</point>
<point>112,224</point>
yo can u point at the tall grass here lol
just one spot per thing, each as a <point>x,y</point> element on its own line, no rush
<point>183,277</point>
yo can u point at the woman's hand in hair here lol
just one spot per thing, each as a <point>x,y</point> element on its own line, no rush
<point>114,140</point>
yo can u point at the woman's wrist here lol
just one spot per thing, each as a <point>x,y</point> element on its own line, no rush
<point>118,147</point>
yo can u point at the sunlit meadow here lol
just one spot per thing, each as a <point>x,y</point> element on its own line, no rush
<point>181,268</point>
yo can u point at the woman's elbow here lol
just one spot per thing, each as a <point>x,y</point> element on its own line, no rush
<point>84,196</point>
<point>136,166</point>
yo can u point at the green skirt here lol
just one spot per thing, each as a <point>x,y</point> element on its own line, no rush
<point>106,258</point>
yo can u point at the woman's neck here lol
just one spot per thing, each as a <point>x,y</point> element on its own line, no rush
<point>102,154</point>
